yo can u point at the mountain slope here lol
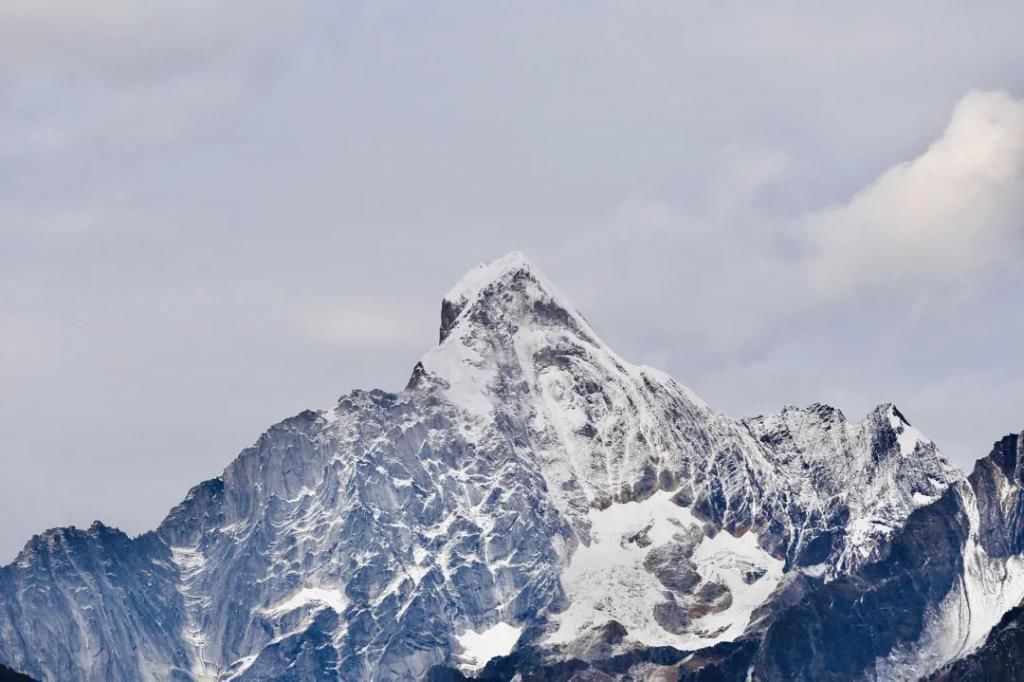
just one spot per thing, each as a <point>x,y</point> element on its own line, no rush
<point>531,501</point>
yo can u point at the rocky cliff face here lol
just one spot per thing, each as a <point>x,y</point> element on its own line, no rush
<point>993,585</point>
<point>531,503</point>
<point>997,481</point>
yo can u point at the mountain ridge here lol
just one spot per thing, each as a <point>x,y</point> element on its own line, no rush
<point>525,479</point>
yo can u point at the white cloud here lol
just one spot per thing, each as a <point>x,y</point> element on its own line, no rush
<point>956,209</point>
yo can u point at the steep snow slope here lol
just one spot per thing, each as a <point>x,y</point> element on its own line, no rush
<point>505,501</point>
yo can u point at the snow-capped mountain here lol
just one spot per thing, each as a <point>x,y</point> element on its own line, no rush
<point>533,504</point>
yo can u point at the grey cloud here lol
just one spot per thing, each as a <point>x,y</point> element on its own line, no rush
<point>214,215</point>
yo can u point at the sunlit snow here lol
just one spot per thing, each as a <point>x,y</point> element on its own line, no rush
<point>607,579</point>
<point>480,647</point>
<point>316,596</point>
<point>906,435</point>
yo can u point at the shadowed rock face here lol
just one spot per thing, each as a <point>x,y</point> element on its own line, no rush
<point>8,675</point>
<point>873,610</point>
<point>997,483</point>
<point>673,568</point>
<point>84,599</point>
<point>370,540</point>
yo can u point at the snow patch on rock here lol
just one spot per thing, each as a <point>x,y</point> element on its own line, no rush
<point>907,436</point>
<point>309,596</point>
<point>480,647</point>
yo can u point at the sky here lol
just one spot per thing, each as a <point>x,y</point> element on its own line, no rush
<point>215,214</point>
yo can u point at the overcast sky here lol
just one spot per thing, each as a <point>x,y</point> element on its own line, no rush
<point>214,214</point>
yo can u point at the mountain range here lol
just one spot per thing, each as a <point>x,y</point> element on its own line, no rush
<point>533,506</point>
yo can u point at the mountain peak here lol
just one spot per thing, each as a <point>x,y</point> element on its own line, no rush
<point>498,319</point>
<point>502,285</point>
<point>485,275</point>
<point>907,438</point>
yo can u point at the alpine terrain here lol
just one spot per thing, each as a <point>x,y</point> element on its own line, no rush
<point>533,506</point>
